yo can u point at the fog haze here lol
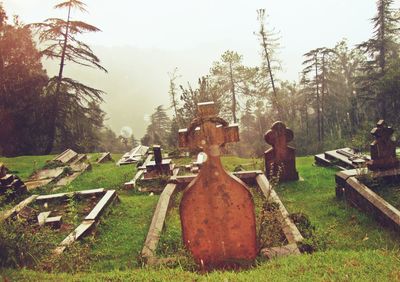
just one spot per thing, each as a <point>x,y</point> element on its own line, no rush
<point>141,41</point>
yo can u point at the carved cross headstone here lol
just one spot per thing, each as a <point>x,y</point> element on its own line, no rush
<point>159,166</point>
<point>157,155</point>
<point>217,209</point>
<point>383,149</point>
<point>280,160</point>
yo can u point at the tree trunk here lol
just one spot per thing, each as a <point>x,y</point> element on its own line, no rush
<point>264,45</point>
<point>323,96</point>
<point>55,111</point>
<point>233,93</point>
<point>318,100</point>
<point>382,61</point>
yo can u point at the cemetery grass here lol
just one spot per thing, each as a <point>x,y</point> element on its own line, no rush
<point>25,166</point>
<point>349,245</point>
<point>338,225</point>
<point>107,175</point>
<point>388,189</point>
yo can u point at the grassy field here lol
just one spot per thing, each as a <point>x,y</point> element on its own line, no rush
<point>350,245</point>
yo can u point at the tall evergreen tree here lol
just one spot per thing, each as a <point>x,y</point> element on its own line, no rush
<point>61,37</point>
<point>158,131</point>
<point>173,95</point>
<point>380,50</point>
<point>232,80</point>
<point>269,43</point>
<point>315,75</point>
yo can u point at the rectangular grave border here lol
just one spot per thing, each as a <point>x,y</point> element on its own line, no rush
<point>139,176</point>
<point>359,195</point>
<point>67,159</point>
<point>179,183</point>
<point>88,223</point>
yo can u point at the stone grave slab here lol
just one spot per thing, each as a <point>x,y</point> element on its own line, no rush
<point>66,157</point>
<point>42,217</point>
<point>48,174</point>
<point>134,156</point>
<point>105,157</point>
<point>54,222</point>
<point>343,159</point>
<point>10,185</point>
<point>79,159</point>
<point>70,161</point>
<point>44,177</point>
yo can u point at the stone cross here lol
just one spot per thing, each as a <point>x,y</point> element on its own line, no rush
<point>383,148</point>
<point>217,209</point>
<point>157,155</point>
<point>280,160</point>
<point>159,166</point>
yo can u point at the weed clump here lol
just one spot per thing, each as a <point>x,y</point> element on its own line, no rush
<point>312,242</point>
<point>22,246</point>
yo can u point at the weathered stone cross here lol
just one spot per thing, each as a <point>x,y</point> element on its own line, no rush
<point>217,210</point>
<point>280,160</point>
<point>383,149</point>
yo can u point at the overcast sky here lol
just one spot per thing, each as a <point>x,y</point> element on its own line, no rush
<point>188,27</point>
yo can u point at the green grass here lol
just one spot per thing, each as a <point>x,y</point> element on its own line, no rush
<point>231,162</point>
<point>107,175</point>
<point>341,226</point>
<point>26,165</point>
<point>386,188</point>
<point>353,246</point>
<point>370,265</point>
<point>121,234</point>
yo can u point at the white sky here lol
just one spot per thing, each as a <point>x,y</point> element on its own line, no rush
<point>228,24</point>
<point>202,30</point>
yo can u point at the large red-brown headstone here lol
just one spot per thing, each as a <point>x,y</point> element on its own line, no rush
<point>280,160</point>
<point>217,209</point>
<point>383,148</point>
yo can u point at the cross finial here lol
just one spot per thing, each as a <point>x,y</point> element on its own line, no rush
<point>382,130</point>
<point>207,130</point>
<point>278,133</point>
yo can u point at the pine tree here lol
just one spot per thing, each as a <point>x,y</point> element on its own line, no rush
<point>380,50</point>
<point>63,45</point>
<point>158,131</point>
<point>232,80</point>
<point>269,44</point>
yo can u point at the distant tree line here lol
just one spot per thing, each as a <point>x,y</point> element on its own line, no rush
<point>41,114</point>
<point>340,95</point>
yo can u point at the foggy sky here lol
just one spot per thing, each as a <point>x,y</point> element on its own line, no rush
<point>141,41</point>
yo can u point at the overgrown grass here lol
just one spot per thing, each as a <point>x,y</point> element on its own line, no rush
<point>107,175</point>
<point>121,234</point>
<point>387,188</point>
